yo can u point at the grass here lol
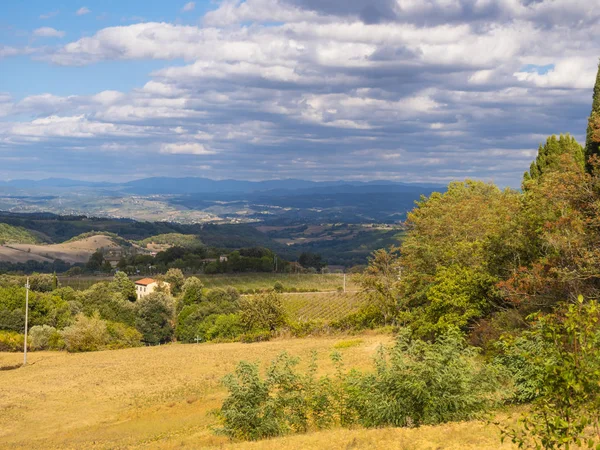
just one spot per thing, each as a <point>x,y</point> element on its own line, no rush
<point>326,306</point>
<point>245,281</point>
<point>161,397</point>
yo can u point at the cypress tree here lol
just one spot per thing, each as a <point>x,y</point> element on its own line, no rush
<point>549,155</point>
<point>591,147</point>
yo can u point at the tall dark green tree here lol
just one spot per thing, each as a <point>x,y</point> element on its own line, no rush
<point>592,146</point>
<point>550,154</point>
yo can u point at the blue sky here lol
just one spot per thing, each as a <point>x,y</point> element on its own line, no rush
<point>407,90</point>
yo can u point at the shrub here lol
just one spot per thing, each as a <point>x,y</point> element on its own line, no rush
<point>226,326</point>
<point>256,336</point>
<point>39,337</point>
<point>307,328</point>
<point>563,348</point>
<point>420,383</point>
<point>11,341</point>
<point>87,334</point>
<point>282,403</point>
<point>122,336</point>
<point>278,287</point>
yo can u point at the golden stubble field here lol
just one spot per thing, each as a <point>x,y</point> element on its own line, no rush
<point>161,397</point>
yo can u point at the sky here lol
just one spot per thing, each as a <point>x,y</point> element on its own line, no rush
<point>404,90</point>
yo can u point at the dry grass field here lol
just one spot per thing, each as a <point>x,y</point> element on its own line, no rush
<point>72,252</point>
<point>161,397</point>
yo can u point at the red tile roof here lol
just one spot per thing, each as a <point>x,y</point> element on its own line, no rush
<point>145,281</point>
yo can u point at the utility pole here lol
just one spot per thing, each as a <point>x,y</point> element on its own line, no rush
<point>26,320</point>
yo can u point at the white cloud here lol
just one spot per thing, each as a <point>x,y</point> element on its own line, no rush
<point>48,32</point>
<point>187,148</point>
<point>49,15</point>
<point>189,6</point>
<point>83,11</point>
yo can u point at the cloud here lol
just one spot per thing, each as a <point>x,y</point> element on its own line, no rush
<point>189,6</point>
<point>427,90</point>
<point>48,32</point>
<point>49,15</point>
<point>187,148</point>
<point>83,11</point>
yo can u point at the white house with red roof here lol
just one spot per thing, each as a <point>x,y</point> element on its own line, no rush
<point>147,286</point>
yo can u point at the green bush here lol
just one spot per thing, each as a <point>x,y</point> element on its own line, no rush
<point>122,336</point>
<point>421,383</point>
<point>40,336</point>
<point>256,336</point>
<point>415,383</point>
<point>282,403</point>
<point>11,341</point>
<point>278,287</point>
<point>226,326</point>
<point>87,334</point>
<point>557,363</point>
<point>307,328</point>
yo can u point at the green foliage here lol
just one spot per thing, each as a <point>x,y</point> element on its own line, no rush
<point>175,239</point>
<point>225,327</point>
<point>44,309</point>
<point>456,297</point>
<point>40,337</point>
<point>198,320</point>
<point>123,285</point>
<point>592,146</point>
<point>262,312</point>
<point>11,341</point>
<point>155,318</point>
<point>87,334</point>
<point>419,383</point>
<point>278,287</point>
<point>176,280</point>
<point>284,402</point>
<point>16,235</point>
<point>415,383</point>
<point>122,336</point>
<point>550,154</point>
<point>558,364</point>
<point>193,291</point>
<point>108,300</point>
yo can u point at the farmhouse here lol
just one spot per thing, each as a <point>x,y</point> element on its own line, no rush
<point>146,286</point>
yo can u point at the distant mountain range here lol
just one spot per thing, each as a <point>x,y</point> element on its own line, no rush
<point>197,185</point>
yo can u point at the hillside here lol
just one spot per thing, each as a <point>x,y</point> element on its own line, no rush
<point>16,235</point>
<point>161,397</point>
<point>77,251</point>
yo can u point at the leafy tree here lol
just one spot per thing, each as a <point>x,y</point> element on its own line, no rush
<point>550,154</point>
<point>175,279</point>
<point>155,314</point>
<point>125,286</point>
<point>565,381</point>
<point>381,283</point>
<point>262,312</point>
<point>95,262</point>
<point>314,260</point>
<point>592,144</point>
<point>107,299</point>
<point>193,292</point>
<point>456,229</point>
<point>558,225</point>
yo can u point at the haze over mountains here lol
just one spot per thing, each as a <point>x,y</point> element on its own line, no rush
<point>202,200</point>
<point>193,185</point>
